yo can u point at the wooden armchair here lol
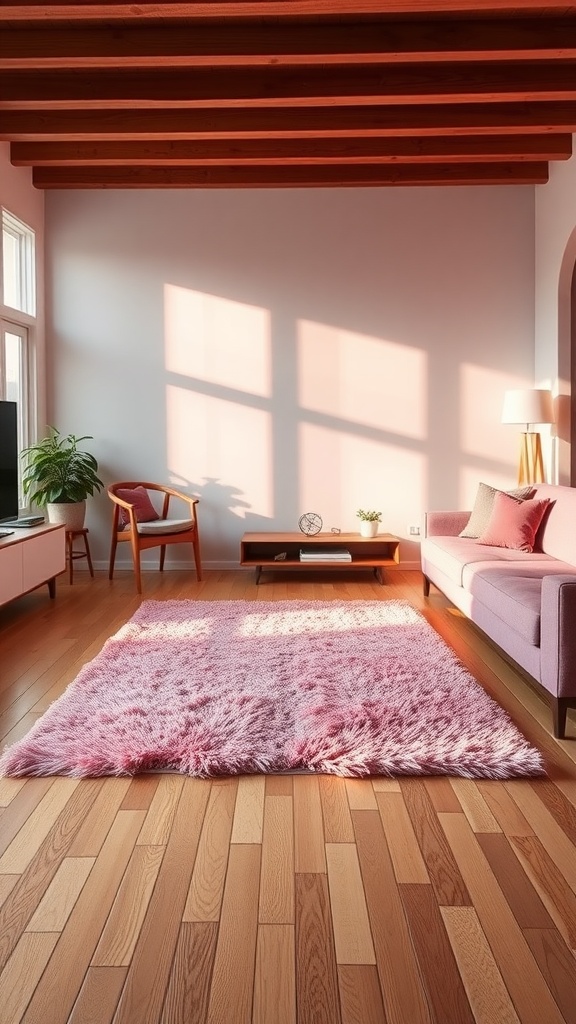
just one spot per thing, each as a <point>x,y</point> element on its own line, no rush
<point>136,521</point>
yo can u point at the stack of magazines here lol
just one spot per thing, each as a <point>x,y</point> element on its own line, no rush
<point>325,555</point>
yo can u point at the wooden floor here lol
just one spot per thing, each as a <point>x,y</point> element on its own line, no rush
<point>279,899</point>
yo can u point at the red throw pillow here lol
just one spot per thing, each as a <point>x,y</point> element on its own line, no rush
<point>143,507</point>
<point>514,524</point>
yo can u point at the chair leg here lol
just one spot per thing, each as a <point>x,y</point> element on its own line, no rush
<point>112,556</point>
<point>136,560</point>
<point>162,556</point>
<point>70,552</point>
<point>196,546</point>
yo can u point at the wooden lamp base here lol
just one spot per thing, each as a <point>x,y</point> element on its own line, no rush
<point>531,469</point>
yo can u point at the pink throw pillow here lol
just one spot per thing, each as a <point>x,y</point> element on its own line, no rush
<point>143,507</point>
<point>514,524</point>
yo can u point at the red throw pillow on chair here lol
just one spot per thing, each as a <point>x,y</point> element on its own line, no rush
<point>143,507</point>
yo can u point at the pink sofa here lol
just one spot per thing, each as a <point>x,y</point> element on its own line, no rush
<point>525,602</point>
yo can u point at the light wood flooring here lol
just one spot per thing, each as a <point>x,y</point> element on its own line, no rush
<point>279,899</point>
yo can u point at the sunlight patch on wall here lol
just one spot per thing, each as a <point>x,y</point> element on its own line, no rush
<point>490,448</point>
<point>220,450</point>
<point>340,473</point>
<point>380,384</point>
<point>217,340</point>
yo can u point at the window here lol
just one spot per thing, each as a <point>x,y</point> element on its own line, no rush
<point>19,267</point>
<point>17,323</point>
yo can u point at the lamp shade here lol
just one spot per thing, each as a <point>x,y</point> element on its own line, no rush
<point>528,406</point>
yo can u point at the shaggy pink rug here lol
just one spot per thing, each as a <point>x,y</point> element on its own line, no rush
<point>225,687</point>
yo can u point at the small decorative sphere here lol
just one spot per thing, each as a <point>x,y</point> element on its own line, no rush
<point>310,523</point>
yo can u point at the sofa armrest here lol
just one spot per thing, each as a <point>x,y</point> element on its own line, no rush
<point>558,635</point>
<point>444,524</point>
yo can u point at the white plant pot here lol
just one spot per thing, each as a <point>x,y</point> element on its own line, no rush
<point>70,514</point>
<point>369,529</point>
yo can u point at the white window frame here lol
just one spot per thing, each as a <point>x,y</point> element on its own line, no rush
<point>22,323</point>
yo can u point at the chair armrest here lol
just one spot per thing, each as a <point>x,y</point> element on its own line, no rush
<point>444,524</point>
<point>558,636</point>
<point>169,493</point>
<point>121,503</point>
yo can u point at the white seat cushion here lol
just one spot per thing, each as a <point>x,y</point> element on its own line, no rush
<point>166,526</point>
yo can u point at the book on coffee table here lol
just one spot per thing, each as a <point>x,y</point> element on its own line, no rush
<point>325,555</point>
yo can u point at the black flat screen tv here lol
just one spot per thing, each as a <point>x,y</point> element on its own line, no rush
<point>8,461</point>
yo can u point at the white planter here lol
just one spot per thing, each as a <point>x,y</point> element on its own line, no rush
<point>71,514</point>
<point>369,528</point>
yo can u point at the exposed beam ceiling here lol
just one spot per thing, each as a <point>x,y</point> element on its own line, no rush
<point>287,93</point>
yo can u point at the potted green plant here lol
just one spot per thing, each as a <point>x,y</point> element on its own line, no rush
<point>59,476</point>
<point>369,521</point>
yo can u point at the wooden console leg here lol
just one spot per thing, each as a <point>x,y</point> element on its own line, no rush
<point>52,586</point>
<point>426,585</point>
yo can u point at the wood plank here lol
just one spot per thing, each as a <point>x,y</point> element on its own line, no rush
<point>398,971</point>
<point>443,871</point>
<point>442,979</point>
<point>486,991</point>
<point>140,793</point>
<point>249,810</point>
<point>530,994</point>
<point>521,896</point>
<point>350,922</point>
<point>507,814</point>
<point>556,894</point>
<point>361,795</point>
<point>147,977</point>
<point>309,854</point>
<point>19,808</point>
<point>160,817</point>
<point>406,856</point>
<point>63,977</point>
<point>23,971</point>
<point>9,789</point>
<point>335,810</point>
<point>442,795</point>
<point>97,822</point>
<point>233,974</point>
<point>207,883</point>
<point>550,833</point>
<point>274,980</point>
<point>56,905</point>
<point>189,984</point>
<point>316,977</point>
<point>474,806</point>
<point>99,994</point>
<point>279,785</point>
<point>360,995</point>
<point>558,967</point>
<point>26,894</point>
<point>122,928</point>
<point>35,829</point>
<point>276,904</point>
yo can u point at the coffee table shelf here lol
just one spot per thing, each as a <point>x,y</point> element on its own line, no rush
<point>261,550</point>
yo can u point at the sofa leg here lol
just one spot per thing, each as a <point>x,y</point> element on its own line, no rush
<point>426,585</point>
<point>559,708</point>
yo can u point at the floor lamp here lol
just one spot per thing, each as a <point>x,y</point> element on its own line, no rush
<point>529,407</point>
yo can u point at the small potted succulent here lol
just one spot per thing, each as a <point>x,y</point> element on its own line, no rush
<point>59,476</point>
<point>369,521</point>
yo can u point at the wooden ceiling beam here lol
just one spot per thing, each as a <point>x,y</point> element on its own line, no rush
<point>283,45</point>
<point>286,9</point>
<point>327,122</point>
<point>205,152</point>
<point>278,86</point>
<point>290,177</point>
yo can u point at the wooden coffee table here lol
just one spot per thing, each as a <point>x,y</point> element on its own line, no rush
<point>282,551</point>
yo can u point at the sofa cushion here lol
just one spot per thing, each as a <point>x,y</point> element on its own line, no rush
<point>483,505</point>
<point>513,524</point>
<point>513,591</point>
<point>451,555</point>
